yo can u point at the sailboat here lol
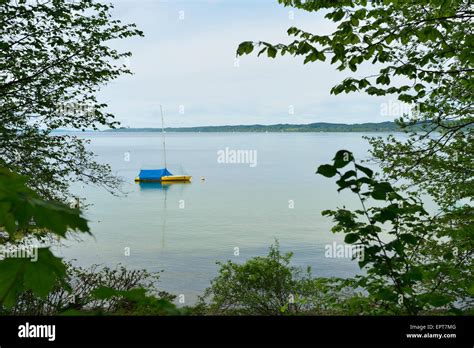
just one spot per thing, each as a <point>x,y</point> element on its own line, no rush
<point>161,175</point>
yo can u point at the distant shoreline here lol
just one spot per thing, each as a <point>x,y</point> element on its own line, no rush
<point>277,128</point>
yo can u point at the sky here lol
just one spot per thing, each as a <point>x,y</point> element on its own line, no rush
<point>187,63</point>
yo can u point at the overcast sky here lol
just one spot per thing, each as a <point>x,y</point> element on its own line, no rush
<point>186,61</point>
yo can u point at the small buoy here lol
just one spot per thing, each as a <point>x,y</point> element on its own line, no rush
<point>203,178</point>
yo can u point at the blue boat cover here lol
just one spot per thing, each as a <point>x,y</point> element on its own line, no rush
<point>153,174</point>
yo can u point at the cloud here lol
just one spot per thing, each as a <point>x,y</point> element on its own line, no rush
<point>187,62</point>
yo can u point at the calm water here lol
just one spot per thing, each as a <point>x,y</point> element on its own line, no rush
<point>183,229</point>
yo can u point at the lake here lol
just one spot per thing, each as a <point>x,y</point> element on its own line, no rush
<point>236,213</point>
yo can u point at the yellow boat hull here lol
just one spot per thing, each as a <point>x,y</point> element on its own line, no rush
<point>175,178</point>
<point>169,178</point>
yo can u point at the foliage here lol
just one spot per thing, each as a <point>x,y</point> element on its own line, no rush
<point>414,262</point>
<point>440,166</point>
<point>138,302</point>
<point>54,56</point>
<point>418,51</point>
<point>97,291</point>
<point>43,284</point>
<point>119,292</point>
<point>270,286</point>
<point>22,212</point>
<point>53,59</point>
<point>429,42</point>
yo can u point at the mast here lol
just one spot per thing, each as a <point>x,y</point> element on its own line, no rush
<point>163,133</point>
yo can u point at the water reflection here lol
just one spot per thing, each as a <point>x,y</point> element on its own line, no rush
<point>149,187</point>
<point>161,185</point>
<point>153,186</point>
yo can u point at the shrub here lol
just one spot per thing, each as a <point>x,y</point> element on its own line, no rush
<point>96,291</point>
<point>271,286</point>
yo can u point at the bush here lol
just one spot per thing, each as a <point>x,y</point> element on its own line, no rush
<point>97,291</point>
<point>271,286</point>
<point>415,263</point>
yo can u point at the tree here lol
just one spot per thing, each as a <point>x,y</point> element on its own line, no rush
<point>35,281</point>
<point>54,56</point>
<point>414,262</point>
<point>420,51</point>
<point>270,285</point>
<point>426,45</point>
<point>23,215</point>
<point>53,59</point>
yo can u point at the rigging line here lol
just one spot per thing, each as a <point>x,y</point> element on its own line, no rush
<point>163,133</point>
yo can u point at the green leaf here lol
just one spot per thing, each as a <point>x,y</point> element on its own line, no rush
<point>389,213</point>
<point>387,295</point>
<point>348,174</point>
<point>245,47</point>
<point>470,289</point>
<point>365,170</point>
<point>18,275</point>
<point>41,276</point>
<point>381,190</point>
<point>436,300</point>
<point>271,52</point>
<point>104,292</point>
<point>415,274</point>
<point>409,238</point>
<point>342,158</point>
<point>22,208</point>
<point>351,238</point>
<point>327,170</point>
<point>344,184</point>
<point>10,281</point>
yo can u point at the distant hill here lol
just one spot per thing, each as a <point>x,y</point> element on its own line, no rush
<point>312,127</point>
